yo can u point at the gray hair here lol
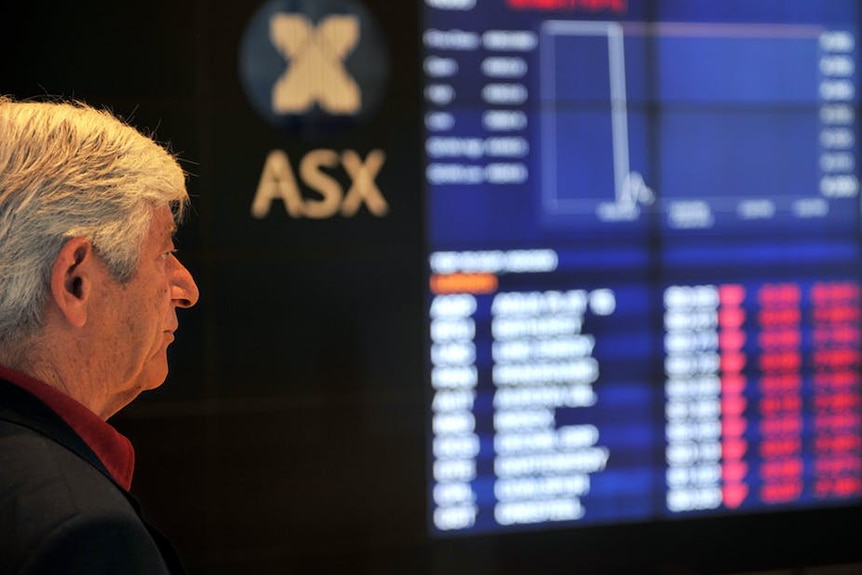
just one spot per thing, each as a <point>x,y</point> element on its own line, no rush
<point>68,170</point>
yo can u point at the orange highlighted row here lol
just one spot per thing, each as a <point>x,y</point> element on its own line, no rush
<point>475,283</point>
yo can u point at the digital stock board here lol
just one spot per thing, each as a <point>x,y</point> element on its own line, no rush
<point>643,246</point>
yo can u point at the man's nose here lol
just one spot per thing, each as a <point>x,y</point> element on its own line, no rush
<point>184,290</point>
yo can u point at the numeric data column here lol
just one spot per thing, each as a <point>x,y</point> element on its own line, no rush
<point>780,406</point>
<point>837,392</point>
<point>454,378</point>
<point>692,389</point>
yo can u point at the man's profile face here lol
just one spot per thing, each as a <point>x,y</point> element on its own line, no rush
<point>136,320</point>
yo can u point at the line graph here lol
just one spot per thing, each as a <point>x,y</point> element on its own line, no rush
<point>629,188</point>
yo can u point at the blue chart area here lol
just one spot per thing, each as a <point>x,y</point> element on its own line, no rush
<point>746,133</point>
<point>739,128</point>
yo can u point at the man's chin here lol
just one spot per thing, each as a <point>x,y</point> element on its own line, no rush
<point>155,374</point>
<point>155,383</point>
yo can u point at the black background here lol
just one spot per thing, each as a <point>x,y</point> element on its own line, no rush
<point>290,436</point>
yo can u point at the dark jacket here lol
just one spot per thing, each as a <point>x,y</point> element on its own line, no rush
<point>61,512</point>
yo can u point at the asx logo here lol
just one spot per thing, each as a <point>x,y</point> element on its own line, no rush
<point>318,170</point>
<point>316,73</point>
<point>313,67</point>
<point>316,68</point>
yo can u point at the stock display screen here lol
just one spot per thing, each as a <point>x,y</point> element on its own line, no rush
<point>643,242</point>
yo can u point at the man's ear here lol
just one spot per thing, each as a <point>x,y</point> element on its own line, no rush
<point>72,279</point>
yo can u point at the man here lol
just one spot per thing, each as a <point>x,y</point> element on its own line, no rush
<point>89,286</point>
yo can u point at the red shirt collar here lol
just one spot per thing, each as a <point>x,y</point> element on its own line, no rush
<point>112,448</point>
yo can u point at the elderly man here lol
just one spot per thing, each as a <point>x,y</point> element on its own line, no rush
<point>89,287</point>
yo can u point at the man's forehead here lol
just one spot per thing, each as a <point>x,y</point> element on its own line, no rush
<point>163,223</point>
<point>170,230</point>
